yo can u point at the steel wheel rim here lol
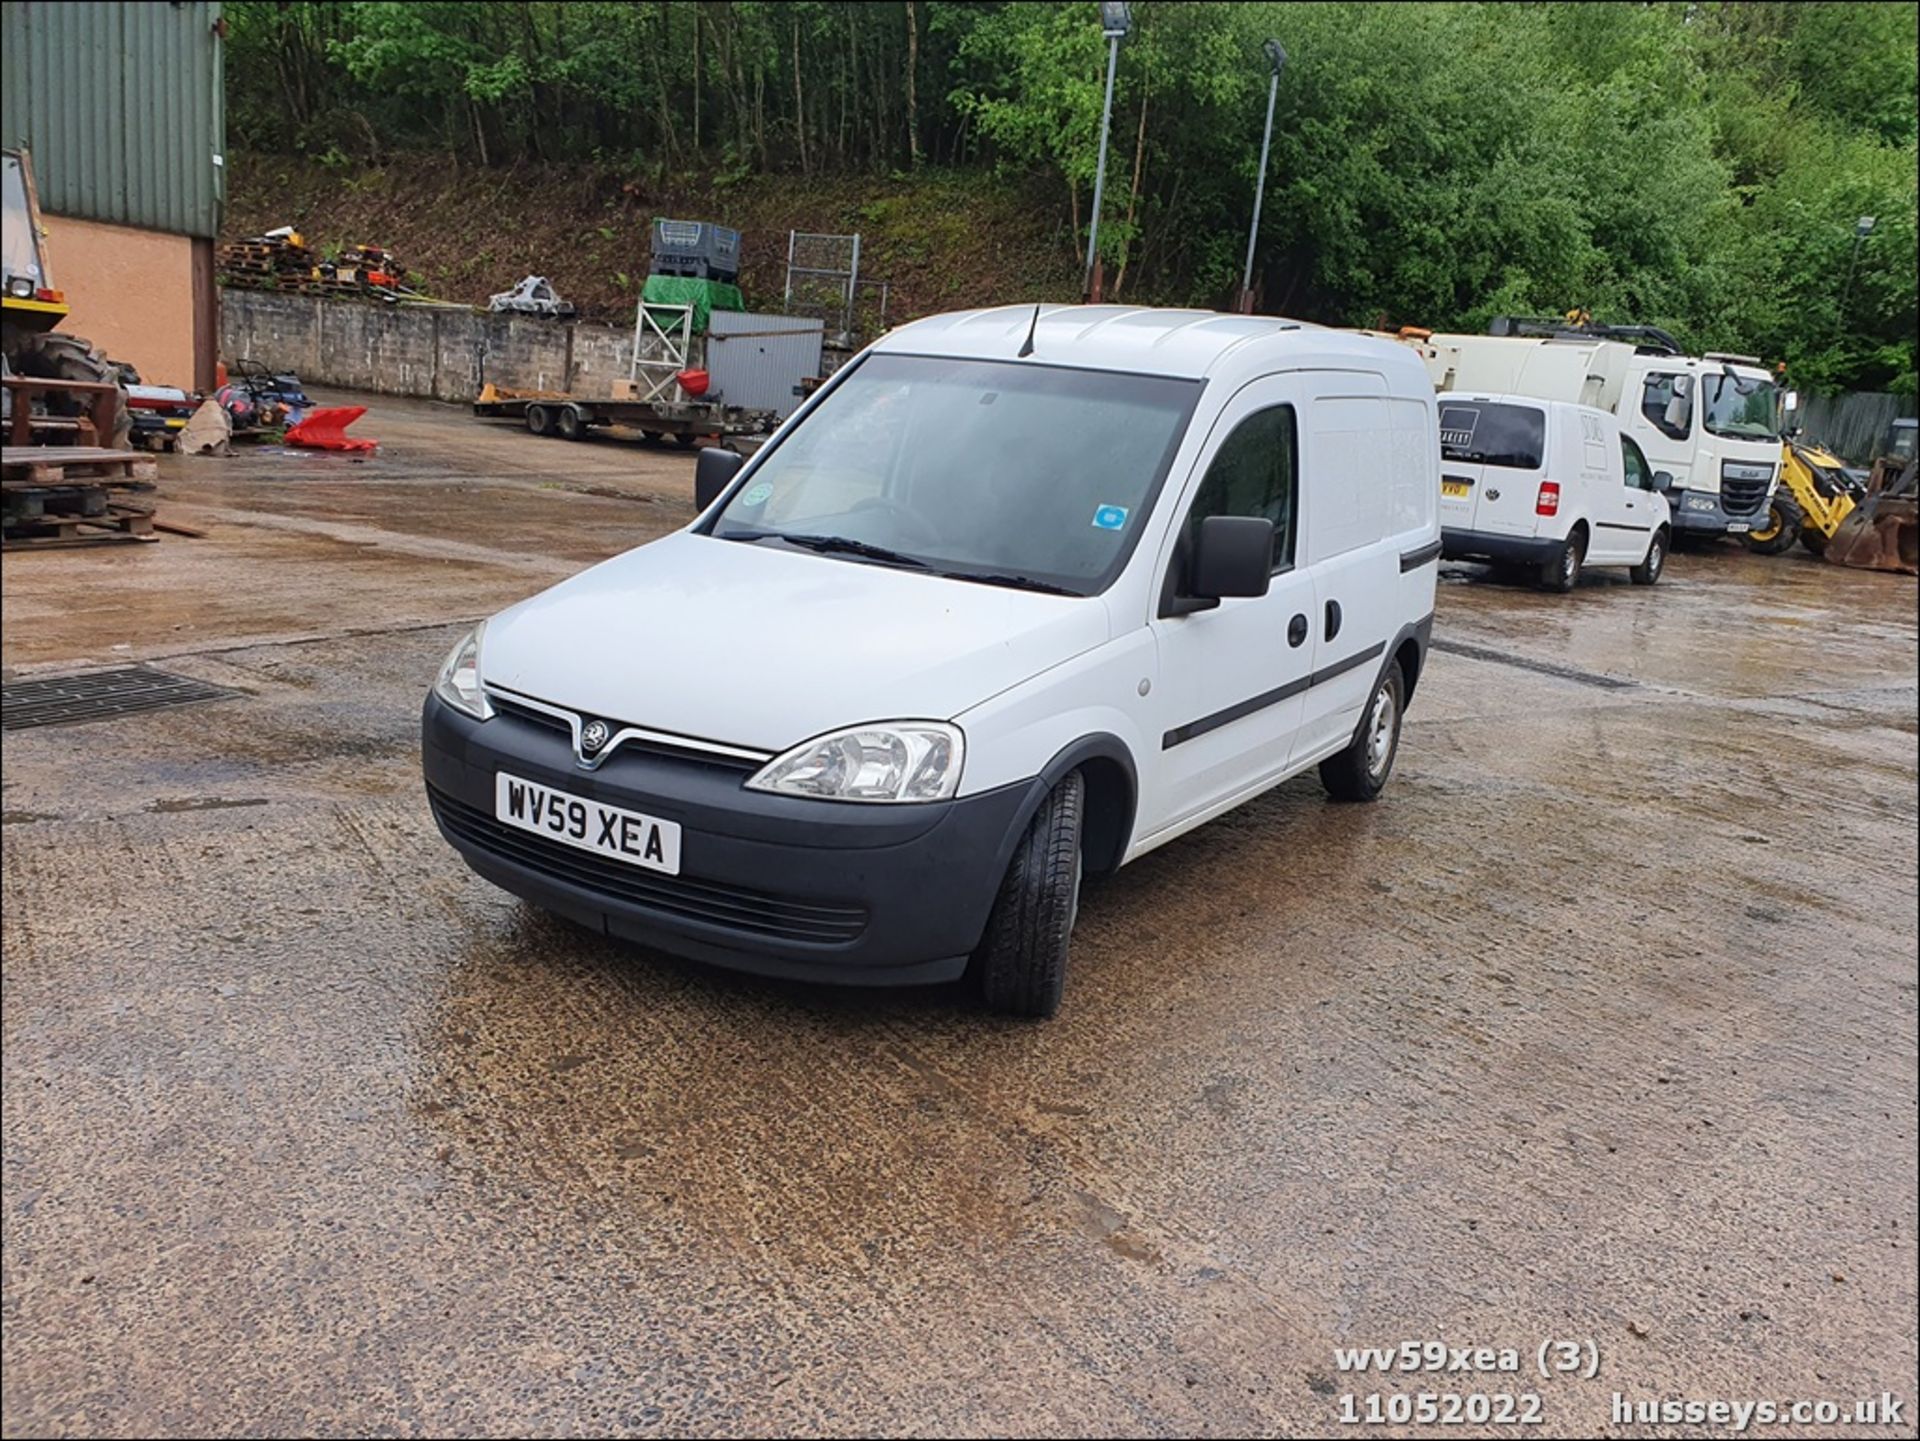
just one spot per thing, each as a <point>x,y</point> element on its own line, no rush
<point>1657,557</point>
<point>1570,563</point>
<point>1380,732</point>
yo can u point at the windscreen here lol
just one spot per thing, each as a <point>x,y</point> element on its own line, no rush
<point>1491,433</point>
<point>1742,407</point>
<point>22,254</point>
<point>1010,474</point>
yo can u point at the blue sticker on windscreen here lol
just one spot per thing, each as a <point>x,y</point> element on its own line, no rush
<point>1110,517</point>
<point>757,494</point>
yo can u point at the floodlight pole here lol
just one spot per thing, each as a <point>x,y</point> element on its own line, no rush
<point>1114,24</point>
<point>1277,59</point>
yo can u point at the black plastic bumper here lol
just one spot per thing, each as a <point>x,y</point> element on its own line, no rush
<point>778,885</point>
<point>1501,549</point>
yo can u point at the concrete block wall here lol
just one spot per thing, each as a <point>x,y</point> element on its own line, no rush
<point>430,351</point>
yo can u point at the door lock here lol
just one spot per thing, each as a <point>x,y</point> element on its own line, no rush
<point>1297,631</point>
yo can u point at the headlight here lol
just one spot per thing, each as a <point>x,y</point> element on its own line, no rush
<point>458,683</point>
<point>888,761</point>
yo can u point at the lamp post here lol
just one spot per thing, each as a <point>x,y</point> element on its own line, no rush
<point>1862,228</point>
<point>1277,60</point>
<point>1115,20</point>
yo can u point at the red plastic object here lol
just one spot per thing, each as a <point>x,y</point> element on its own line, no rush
<point>694,382</point>
<point>324,429</point>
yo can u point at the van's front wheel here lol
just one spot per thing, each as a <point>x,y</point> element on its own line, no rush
<point>1359,773</point>
<point>1023,958</point>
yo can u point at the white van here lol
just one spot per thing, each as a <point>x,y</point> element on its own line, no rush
<point>1019,593</point>
<point>1549,485</point>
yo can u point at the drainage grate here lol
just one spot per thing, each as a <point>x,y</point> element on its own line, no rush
<point>1540,667</point>
<point>98,695</point>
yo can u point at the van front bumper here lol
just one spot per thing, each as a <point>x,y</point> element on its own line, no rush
<point>778,885</point>
<point>1500,549</point>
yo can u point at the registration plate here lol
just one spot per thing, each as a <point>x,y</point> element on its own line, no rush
<point>1455,489</point>
<point>1736,527</point>
<point>588,825</point>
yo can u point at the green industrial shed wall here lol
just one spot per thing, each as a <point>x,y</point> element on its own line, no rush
<point>122,105</point>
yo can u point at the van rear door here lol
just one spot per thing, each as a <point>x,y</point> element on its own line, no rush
<point>1498,449</point>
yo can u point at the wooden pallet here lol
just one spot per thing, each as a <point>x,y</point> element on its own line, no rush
<point>54,465</point>
<point>120,525</point>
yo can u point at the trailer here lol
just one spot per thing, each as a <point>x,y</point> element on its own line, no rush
<point>553,412</point>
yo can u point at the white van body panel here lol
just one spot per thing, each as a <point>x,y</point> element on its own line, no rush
<point>1582,454</point>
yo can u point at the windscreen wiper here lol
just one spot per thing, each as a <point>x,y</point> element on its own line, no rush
<point>835,545</point>
<point>1012,582</point>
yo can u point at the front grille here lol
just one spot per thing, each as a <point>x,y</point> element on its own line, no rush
<point>1742,497</point>
<point>734,907</point>
<point>508,705</point>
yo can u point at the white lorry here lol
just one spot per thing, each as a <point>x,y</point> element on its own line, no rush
<point>1710,425</point>
<point>1549,485</point>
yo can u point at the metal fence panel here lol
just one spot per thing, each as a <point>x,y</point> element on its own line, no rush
<point>759,360</point>
<point>1852,425</point>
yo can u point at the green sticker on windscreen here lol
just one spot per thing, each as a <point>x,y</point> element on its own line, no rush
<point>757,494</point>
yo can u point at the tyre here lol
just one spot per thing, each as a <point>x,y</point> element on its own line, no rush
<point>685,439</point>
<point>1562,573</point>
<point>1359,773</point>
<point>571,422</point>
<point>1023,957</point>
<point>1813,540</point>
<point>652,437</point>
<point>1778,529</point>
<point>59,356</point>
<point>1649,570</point>
<point>540,419</point>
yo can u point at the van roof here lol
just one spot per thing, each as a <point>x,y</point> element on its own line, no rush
<point>1185,343</point>
<point>1490,397</point>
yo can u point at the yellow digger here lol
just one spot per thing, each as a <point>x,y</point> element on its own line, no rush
<point>1814,495</point>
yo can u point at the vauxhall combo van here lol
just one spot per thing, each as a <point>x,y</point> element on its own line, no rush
<point>1017,596</point>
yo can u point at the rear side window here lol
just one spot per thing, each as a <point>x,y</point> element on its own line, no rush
<point>1256,471</point>
<point>1488,433</point>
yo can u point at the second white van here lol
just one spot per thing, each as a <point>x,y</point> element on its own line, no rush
<point>1548,485</point>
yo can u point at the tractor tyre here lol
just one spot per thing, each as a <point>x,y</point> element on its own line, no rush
<point>56,355</point>
<point>1779,529</point>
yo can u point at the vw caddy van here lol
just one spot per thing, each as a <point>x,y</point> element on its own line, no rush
<point>1548,485</point>
<point>1017,596</point>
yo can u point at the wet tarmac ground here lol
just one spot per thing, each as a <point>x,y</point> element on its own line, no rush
<point>1600,1027</point>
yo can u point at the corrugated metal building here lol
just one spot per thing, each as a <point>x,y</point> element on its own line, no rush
<point>122,106</point>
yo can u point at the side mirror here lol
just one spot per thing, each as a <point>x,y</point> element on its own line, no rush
<point>1232,557</point>
<point>1663,480</point>
<point>713,472</point>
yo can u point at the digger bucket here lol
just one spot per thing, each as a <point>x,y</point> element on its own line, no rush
<point>1883,531</point>
<point>325,429</point>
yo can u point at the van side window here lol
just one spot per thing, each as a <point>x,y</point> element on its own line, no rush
<point>1638,476</point>
<point>1656,397</point>
<point>1256,472</point>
